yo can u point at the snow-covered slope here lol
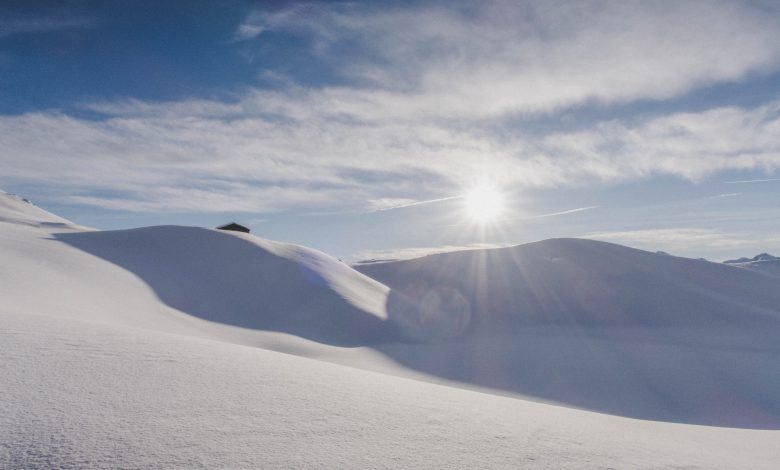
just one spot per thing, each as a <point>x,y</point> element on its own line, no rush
<point>162,277</point>
<point>584,282</point>
<point>19,210</point>
<point>153,348</point>
<point>243,280</point>
<point>599,326</point>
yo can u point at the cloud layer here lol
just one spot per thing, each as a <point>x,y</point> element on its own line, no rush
<point>427,99</point>
<point>680,238</point>
<point>480,59</point>
<point>172,159</point>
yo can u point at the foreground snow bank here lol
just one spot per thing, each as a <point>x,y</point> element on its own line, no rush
<point>86,395</point>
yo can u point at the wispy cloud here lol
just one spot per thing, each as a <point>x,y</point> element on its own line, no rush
<point>689,145</point>
<point>12,26</point>
<point>488,58</point>
<point>177,160</point>
<point>416,252</point>
<point>247,31</point>
<point>675,238</point>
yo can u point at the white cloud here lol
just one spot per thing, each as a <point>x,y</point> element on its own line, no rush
<point>675,238</point>
<point>689,145</point>
<point>264,153</point>
<point>488,58</point>
<point>414,126</point>
<point>247,31</point>
<point>253,163</point>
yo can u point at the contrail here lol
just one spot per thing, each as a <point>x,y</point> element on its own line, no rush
<point>570,211</point>
<point>416,203</point>
<point>752,181</point>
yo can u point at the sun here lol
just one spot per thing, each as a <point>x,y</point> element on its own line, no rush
<point>484,204</point>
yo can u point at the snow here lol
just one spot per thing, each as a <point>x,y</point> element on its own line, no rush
<point>242,280</point>
<point>168,347</point>
<point>82,394</point>
<point>16,209</point>
<point>604,327</point>
<point>569,282</point>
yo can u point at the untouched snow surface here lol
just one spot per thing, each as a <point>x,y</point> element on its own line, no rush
<point>160,347</point>
<point>89,395</point>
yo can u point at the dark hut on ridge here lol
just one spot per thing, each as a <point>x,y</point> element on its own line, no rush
<point>232,226</point>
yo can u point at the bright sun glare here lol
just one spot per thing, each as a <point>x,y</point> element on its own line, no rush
<point>484,203</point>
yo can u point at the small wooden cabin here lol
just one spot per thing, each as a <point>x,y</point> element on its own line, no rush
<point>233,227</point>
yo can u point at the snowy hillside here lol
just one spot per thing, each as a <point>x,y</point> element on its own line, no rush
<point>602,327</point>
<point>160,347</point>
<point>585,282</point>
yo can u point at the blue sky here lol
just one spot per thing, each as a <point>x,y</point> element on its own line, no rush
<point>356,128</point>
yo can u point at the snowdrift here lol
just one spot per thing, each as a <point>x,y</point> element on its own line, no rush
<point>242,280</point>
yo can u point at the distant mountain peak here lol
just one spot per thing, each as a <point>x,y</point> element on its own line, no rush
<point>759,257</point>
